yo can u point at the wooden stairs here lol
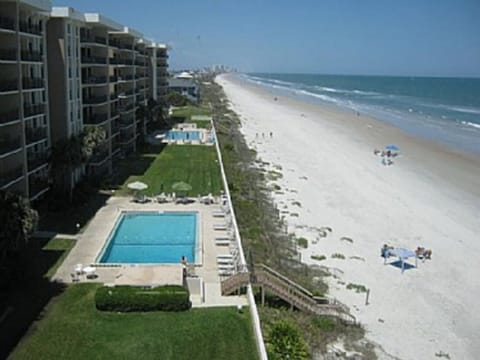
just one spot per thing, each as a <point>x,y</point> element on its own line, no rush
<point>296,295</point>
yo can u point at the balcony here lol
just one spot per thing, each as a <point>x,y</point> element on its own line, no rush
<point>95,119</point>
<point>30,28</point>
<point>126,108</point>
<point>8,54</point>
<point>94,60</point>
<point>125,78</point>
<point>93,39</point>
<point>7,23</point>
<point>11,175</point>
<point>8,85</point>
<point>31,55</point>
<point>32,83</point>
<point>38,186</point>
<point>9,116</point>
<point>124,94</point>
<point>120,61</point>
<point>140,62</point>
<point>34,161</point>
<point>8,145</point>
<point>114,113</point>
<point>31,110</point>
<point>95,100</point>
<point>93,80</point>
<point>118,44</point>
<point>125,138</point>
<point>34,135</point>
<point>125,123</point>
<point>113,78</point>
<point>99,157</point>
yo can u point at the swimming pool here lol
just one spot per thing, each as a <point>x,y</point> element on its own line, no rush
<point>151,238</point>
<point>183,135</point>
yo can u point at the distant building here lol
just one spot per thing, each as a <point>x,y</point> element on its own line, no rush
<point>184,84</point>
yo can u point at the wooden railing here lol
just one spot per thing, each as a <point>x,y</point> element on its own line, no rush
<point>291,292</point>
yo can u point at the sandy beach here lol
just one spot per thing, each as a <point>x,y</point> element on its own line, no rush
<point>429,196</point>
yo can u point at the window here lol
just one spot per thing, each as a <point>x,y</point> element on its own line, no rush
<point>69,28</point>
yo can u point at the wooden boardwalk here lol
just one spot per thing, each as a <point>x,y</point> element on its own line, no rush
<point>291,292</point>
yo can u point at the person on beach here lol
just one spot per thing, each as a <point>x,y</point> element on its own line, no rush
<point>271,134</point>
<point>263,135</point>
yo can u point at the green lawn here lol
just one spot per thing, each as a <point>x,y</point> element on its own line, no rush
<point>188,111</point>
<point>195,165</point>
<point>74,329</point>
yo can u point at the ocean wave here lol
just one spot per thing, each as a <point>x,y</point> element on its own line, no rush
<point>318,96</point>
<point>464,110</point>
<point>468,123</point>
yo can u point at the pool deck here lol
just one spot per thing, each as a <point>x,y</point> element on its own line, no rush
<point>91,241</point>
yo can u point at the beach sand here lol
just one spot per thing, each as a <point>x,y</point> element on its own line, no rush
<point>430,196</point>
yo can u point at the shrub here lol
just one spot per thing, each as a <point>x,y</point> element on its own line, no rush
<point>338,256</point>
<point>285,342</point>
<point>302,242</point>
<point>131,298</point>
<point>318,257</point>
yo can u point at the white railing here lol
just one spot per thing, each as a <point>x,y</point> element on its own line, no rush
<point>253,306</point>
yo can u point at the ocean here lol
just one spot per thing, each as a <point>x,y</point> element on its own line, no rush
<point>444,110</point>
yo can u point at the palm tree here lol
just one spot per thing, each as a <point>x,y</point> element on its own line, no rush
<point>69,154</point>
<point>18,221</point>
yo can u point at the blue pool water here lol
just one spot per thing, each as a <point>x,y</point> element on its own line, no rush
<point>151,237</point>
<point>182,135</point>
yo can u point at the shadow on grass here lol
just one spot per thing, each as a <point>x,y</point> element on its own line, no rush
<point>24,300</point>
<point>63,219</point>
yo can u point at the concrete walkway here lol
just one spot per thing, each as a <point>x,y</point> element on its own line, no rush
<point>206,291</point>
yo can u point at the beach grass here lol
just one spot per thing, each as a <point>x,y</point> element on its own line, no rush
<point>195,165</point>
<point>57,245</point>
<point>189,110</point>
<point>72,328</point>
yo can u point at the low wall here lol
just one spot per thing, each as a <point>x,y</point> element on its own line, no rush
<point>262,352</point>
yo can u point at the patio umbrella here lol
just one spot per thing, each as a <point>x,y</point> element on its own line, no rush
<point>181,187</point>
<point>137,185</point>
<point>392,147</point>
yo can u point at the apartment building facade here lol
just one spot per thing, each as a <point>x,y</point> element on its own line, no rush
<point>61,72</point>
<point>24,111</point>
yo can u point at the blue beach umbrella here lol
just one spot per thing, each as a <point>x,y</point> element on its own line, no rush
<point>392,147</point>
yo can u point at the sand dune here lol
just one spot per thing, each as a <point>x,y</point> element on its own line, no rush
<point>429,197</point>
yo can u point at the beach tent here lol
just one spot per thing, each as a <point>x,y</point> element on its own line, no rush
<point>402,255</point>
<point>137,185</point>
<point>392,147</point>
<point>182,187</point>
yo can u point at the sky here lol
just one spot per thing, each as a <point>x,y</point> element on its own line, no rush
<point>364,37</point>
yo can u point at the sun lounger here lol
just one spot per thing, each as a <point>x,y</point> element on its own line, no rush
<point>224,262</point>
<point>219,227</point>
<point>226,267</point>
<point>225,272</point>
<point>222,241</point>
<point>78,269</point>
<point>225,256</point>
<point>218,213</point>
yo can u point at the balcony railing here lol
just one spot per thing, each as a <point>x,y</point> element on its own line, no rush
<point>31,110</point>
<point>94,60</point>
<point>37,185</point>
<point>140,62</point>
<point>8,116</point>
<point>30,28</point>
<point>119,61</point>
<point>125,108</point>
<point>95,119</point>
<point>7,23</point>
<point>10,175</point>
<point>126,93</point>
<point>8,85</point>
<point>34,161</point>
<point>93,39</point>
<point>7,145</point>
<point>114,112</point>
<point>119,44</point>
<point>113,78</point>
<point>35,134</point>
<point>113,96</point>
<point>8,54</point>
<point>31,55</point>
<point>125,78</point>
<point>95,80</point>
<point>99,157</point>
<point>32,83</point>
<point>92,100</point>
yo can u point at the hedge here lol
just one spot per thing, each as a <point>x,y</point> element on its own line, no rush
<point>131,298</point>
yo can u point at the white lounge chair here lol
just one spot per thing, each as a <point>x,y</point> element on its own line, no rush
<point>225,272</point>
<point>218,213</point>
<point>219,227</point>
<point>225,262</point>
<point>78,269</point>
<point>225,256</point>
<point>230,267</point>
<point>222,241</point>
